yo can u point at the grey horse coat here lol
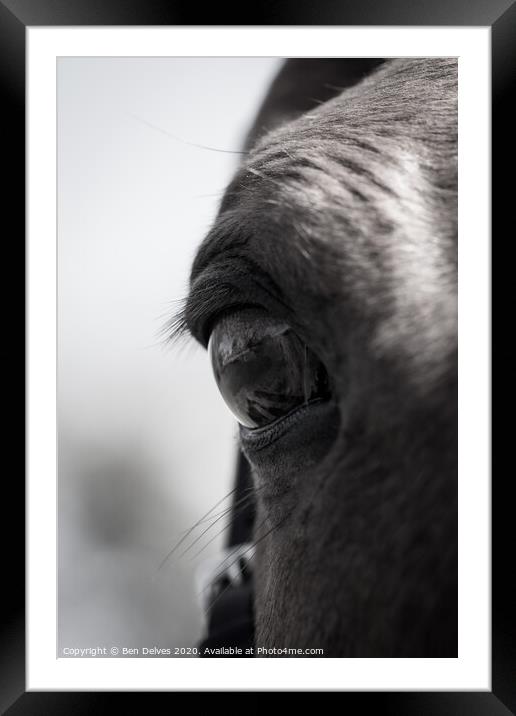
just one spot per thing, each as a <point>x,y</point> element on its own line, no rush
<point>342,223</point>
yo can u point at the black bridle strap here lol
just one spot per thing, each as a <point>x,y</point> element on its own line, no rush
<point>230,618</point>
<point>243,510</point>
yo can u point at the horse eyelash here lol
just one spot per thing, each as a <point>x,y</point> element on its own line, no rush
<point>176,327</point>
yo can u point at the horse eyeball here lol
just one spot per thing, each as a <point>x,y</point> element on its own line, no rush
<point>262,368</point>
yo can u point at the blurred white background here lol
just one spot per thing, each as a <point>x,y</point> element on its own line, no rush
<point>146,445</point>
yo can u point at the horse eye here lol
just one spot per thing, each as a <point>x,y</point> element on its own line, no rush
<point>262,368</point>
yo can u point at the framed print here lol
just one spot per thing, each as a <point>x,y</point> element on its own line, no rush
<point>293,197</point>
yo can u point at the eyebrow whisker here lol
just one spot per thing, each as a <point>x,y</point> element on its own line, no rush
<point>181,140</point>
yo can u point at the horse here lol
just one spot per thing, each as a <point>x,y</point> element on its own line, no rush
<point>326,295</point>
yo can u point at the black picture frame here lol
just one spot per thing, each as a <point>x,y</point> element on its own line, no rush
<point>15,17</point>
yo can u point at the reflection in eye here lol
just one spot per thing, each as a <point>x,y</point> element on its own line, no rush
<point>262,368</point>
